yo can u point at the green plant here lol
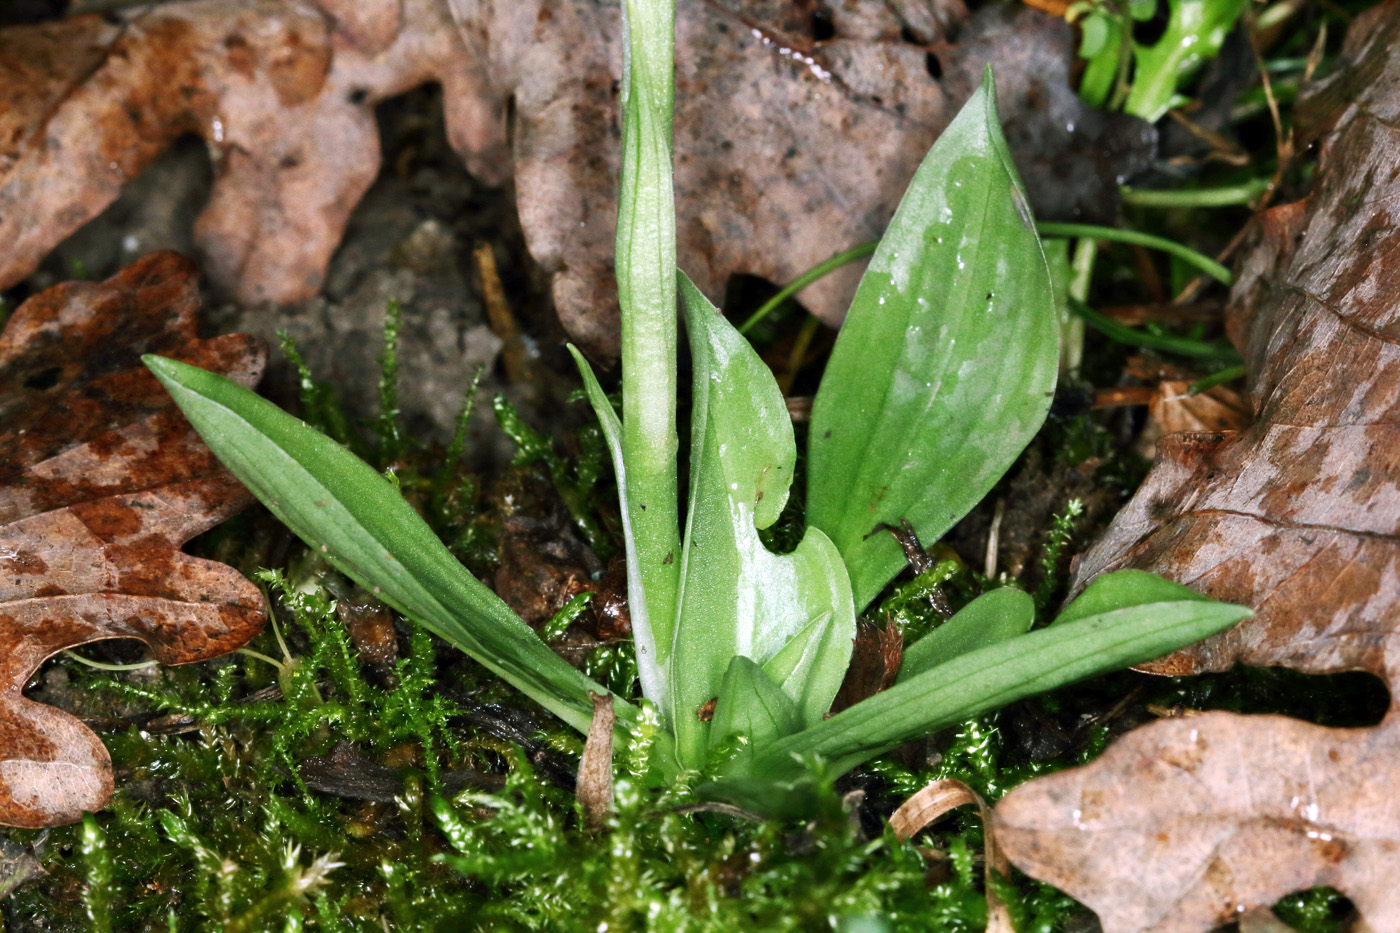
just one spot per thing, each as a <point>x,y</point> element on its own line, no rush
<point>942,373</point>
<point>1194,32</point>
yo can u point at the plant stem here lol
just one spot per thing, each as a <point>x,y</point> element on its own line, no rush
<point>1185,346</point>
<point>1228,374</point>
<point>805,279</point>
<point>1207,265</point>
<point>1198,197</point>
<point>646,285</point>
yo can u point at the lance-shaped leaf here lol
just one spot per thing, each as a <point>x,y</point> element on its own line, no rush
<point>737,597</point>
<point>946,363</point>
<point>991,677</point>
<point>340,505</point>
<point>987,620</point>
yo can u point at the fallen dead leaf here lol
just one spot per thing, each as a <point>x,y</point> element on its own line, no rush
<point>101,482</point>
<point>282,91</point>
<point>930,804</point>
<point>796,134</point>
<point>1188,823</point>
<point>595,778</point>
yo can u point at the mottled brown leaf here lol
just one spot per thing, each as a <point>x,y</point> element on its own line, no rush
<point>788,147</point>
<point>101,482</point>
<point>1186,824</point>
<point>792,141</point>
<point>283,92</point>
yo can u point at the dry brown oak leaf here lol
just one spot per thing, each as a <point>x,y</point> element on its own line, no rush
<point>1184,824</point>
<point>101,482</point>
<point>795,134</point>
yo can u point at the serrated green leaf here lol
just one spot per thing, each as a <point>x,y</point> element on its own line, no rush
<point>341,506</point>
<point>990,618</point>
<point>738,598</point>
<point>989,678</point>
<point>750,704</point>
<point>947,361</point>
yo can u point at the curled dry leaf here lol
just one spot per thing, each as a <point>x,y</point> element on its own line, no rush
<point>595,778</point>
<point>1185,824</point>
<point>932,802</point>
<point>101,482</point>
<point>791,142</point>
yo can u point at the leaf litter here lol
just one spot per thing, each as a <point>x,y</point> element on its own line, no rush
<point>101,482</point>
<point>1187,823</point>
<point>283,95</point>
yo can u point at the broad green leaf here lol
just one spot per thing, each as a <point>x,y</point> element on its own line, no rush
<point>991,677</point>
<point>812,665</point>
<point>652,636</point>
<point>750,704</point>
<point>738,598</point>
<point>341,506</point>
<point>946,364</point>
<point>990,618</point>
<point>1122,589</point>
<point>1195,32</point>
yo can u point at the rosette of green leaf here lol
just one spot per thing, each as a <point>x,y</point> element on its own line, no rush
<point>1196,29</point>
<point>738,599</point>
<point>946,363</point>
<point>337,503</point>
<point>1123,618</point>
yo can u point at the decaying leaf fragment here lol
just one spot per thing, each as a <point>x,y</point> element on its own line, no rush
<point>283,92</point>
<point>1186,824</point>
<point>791,142</point>
<point>101,482</point>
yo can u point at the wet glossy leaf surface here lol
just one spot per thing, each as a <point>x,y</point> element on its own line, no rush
<point>945,366</point>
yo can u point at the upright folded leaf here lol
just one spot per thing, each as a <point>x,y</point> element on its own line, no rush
<point>946,363</point>
<point>737,597</point>
<point>646,290</point>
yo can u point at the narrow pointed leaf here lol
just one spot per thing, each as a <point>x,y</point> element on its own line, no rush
<point>340,505</point>
<point>750,704</point>
<point>738,598</point>
<point>1123,588</point>
<point>989,678</point>
<point>989,619</point>
<point>947,360</point>
<point>651,635</point>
